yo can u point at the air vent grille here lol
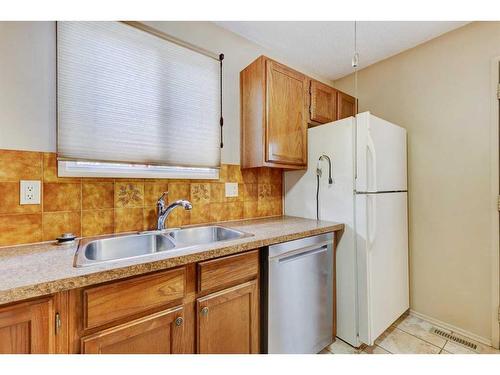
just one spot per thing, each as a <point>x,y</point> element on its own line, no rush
<point>456,339</point>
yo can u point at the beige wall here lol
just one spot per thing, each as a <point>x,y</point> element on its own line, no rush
<point>440,92</point>
<point>27,80</point>
<point>27,86</point>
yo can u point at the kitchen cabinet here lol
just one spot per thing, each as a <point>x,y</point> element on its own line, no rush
<point>273,116</point>
<point>277,104</point>
<point>228,320</point>
<point>159,333</point>
<point>346,105</point>
<point>28,327</point>
<point>323,103</point>
<point>163,311</point>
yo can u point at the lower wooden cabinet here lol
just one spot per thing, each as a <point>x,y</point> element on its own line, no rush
<point>206,307</point>
<point>228,321</point>
<point>159,333</point>
<point>27,327</point>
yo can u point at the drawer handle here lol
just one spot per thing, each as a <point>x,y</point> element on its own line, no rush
<point>204,311</point>
<point>179,321</point>
<point>304,254</point>
<point>58,323</point>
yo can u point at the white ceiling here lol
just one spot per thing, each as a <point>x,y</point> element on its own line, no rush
<point>326,47</point>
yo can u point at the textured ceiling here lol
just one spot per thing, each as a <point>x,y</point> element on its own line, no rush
<point>326,47</point>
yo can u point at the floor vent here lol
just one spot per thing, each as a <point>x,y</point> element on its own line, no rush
<point>452,337</point>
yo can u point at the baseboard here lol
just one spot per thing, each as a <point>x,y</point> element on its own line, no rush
<point>450,327</point>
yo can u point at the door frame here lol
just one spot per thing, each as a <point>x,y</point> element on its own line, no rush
<point>495,192</point>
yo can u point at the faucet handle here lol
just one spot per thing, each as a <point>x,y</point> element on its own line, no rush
<point>161,201</point>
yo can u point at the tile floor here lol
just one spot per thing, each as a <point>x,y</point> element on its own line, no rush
<point>409,335</point>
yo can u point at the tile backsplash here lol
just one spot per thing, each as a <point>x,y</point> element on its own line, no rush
<point>95,206</point>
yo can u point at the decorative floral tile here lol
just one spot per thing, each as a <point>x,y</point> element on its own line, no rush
<point>264,191</point>
<point>200,193</point>
<point>129,194</point>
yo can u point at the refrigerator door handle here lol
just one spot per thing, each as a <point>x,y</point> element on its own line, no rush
<point>370,146</point>
<point>372,219</point>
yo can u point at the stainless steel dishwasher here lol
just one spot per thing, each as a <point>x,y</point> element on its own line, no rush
<point>297,305</point>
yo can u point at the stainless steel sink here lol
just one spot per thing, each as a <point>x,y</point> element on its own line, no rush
<point>204,235</point>
<point>122,247</point>
<point>101,250</point>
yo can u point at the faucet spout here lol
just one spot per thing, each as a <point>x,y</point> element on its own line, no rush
<point>163,211</point>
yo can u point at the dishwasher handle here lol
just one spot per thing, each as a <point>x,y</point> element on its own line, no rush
<point>302,253</point>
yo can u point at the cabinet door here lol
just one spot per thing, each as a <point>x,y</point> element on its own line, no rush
<point>27,328</point>
<point>346,105</point>
<point>160,333</point>
<point>228,321</point>
<point>286,121</point>
<point>323,106</point>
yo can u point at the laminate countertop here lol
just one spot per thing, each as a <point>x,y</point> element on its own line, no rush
<point>28,271</point>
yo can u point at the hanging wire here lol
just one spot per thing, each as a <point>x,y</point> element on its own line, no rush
<point>355,64</point>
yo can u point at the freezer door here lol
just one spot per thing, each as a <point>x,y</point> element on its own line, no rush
<point>382,251</point>
<point>381,155</point>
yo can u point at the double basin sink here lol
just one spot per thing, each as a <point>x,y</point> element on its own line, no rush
<point>97,251</point>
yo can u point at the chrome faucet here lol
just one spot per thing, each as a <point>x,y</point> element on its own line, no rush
<point>164,211</point>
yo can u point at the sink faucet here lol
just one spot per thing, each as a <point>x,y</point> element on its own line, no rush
<point>163,211</point>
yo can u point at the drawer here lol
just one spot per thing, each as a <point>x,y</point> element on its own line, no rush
<point>222,272</point>
<point>110,302</point>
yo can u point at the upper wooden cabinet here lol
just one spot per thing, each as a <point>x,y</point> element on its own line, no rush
<point>323,103</point>
<point>327,104</point>
<point>346,105</point>
<point>273,116</point>
<point>277,104</point>
<point>28,328</point>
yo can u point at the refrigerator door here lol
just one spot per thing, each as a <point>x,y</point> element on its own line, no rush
<point>382,252</point>
<point>381,155</point>
<point>336,140</point>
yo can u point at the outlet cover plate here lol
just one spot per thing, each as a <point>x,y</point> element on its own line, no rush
<point>231,189</point>
<point>29,192</point>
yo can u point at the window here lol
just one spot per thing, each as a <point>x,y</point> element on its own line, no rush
<point>133,104</point>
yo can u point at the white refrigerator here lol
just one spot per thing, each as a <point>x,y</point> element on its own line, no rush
<point>368,193</point>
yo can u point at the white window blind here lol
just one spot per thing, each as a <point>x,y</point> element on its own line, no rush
<point>127,96</point>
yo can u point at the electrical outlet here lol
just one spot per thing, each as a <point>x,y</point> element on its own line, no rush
<point>29,192</point>
<point>231,189</point>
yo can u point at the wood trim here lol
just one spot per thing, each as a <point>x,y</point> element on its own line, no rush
<point>61,307</point>
<point>226,271</point>
<point>135,295</point>
<point>252,113</point>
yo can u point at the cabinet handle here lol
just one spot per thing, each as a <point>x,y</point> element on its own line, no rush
<point>204,311</point>
<point>179,321</point>
<point>58,322</point>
